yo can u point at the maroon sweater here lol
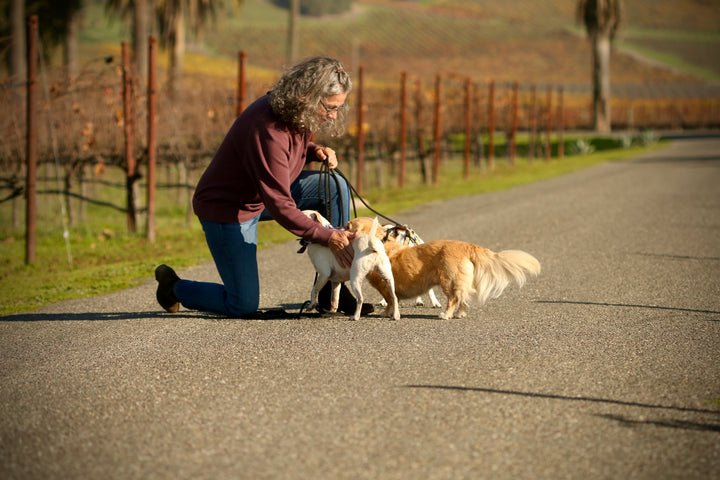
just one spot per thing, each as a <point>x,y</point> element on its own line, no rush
<point>253,169</point>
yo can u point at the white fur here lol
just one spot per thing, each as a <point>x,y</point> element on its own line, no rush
<point>369,256</point>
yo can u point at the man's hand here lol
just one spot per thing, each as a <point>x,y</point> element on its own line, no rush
<point>327,154</point>
<point>340,245</point>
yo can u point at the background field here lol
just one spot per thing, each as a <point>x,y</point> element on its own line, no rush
<point>660,42</point>
<point>526,40</point>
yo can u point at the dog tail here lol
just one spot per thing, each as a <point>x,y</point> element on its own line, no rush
<point>375,243</point>
<point>495,271</point>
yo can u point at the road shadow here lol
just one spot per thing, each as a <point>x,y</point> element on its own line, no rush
<point>294,310</point>
<point>567,398</point>
<point>630,305</point>
<point>102,316</point>
<point>672,423</point>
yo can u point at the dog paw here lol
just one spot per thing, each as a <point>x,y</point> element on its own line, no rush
<point>419,302</point>
<point>444,316</point>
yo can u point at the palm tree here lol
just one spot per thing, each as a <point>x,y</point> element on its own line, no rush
<point>58,25</point>
<point>142,18</point>
<point>18,54</point>
<point>293,33</point>
<point>175,16</point>
<point>602,20</point>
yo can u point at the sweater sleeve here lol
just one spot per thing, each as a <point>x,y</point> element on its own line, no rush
<point>277,158</point>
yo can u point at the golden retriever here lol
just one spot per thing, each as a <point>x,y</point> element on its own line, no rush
<point>463,270</point>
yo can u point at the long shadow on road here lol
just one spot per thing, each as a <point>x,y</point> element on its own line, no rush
<point>99,316</point>
<point>564,397</point>
<point>629,305</point>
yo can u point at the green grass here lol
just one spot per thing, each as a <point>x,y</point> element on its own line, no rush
<point>105,258</point>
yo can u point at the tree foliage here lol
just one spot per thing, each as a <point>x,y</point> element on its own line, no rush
<point>600,16</point>
<point>54,17</point>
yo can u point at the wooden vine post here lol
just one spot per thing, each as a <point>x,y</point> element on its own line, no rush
<point>360,132</point>
<point>129,137</point>
<point>152,139</point>
<point>31,138</point>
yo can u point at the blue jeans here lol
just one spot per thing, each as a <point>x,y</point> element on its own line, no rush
<point>234,247</point>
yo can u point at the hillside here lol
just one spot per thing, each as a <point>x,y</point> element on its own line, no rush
<point>662,42</point>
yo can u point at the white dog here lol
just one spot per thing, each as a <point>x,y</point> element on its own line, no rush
<point>398,233</point>
<point>369,256</point>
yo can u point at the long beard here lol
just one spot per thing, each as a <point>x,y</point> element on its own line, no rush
<point>328,127</point>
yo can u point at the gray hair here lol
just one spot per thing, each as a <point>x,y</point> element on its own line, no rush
<point>295,98</point>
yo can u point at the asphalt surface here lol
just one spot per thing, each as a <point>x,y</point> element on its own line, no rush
<point>607,365</point>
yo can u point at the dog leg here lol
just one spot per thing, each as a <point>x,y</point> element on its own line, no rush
<point>453,300</point>
<point>320,282</point>
<point>395,307</point>
<point>392,310</point>
<point>335,296</point>
<point>433,299</point>
<point>380,285</point>
<point>356,289</point>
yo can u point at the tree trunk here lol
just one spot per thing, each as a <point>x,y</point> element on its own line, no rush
<point>601,82</point>
<point>141,35</point>
<point>70,46</point>
<point>293,34</point>
<point>18,64</point>
<point>177,55</point>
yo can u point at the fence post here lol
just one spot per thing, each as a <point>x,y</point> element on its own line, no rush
<point>129,136</point>
<point>31,139</point>
<point>438,108</point>
<point>468,103</point>
<point>533,123</point>
<point>152,140</point>
<point>361,133</point>
<point>548,123</point>
<point>403,126</point>
<point>491,124</point>
<point>561,124</point>
<point>420,129</point>
<point>242,56</point>
<point>513,127</point>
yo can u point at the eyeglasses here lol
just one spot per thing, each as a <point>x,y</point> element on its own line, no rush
<point>331,110</point>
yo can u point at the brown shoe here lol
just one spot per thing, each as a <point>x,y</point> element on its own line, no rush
<point>167,278</point>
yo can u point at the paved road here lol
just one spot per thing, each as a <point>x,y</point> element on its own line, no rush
<point>605,366</point>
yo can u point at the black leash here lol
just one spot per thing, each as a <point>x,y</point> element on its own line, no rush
<point>324,185</point>
<point>328,174</point>
<point>357,194</point>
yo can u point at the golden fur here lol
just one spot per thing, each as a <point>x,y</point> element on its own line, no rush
<point>399,234</point>
<point>463,270</point>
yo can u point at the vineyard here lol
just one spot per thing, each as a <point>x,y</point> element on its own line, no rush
<point>464,93</point>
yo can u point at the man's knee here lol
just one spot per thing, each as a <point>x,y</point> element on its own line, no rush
<point>239,305</point>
